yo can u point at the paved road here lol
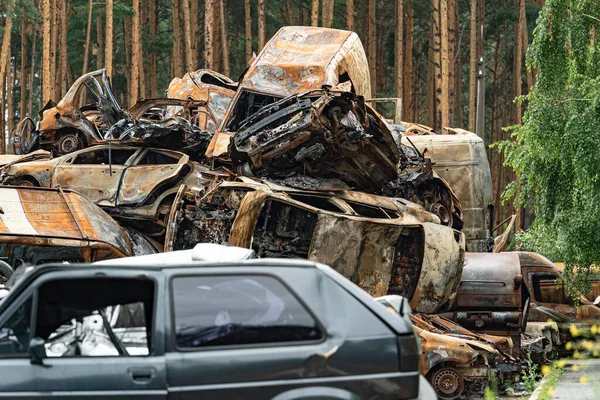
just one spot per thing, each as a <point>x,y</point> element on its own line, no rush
<point>580,381</point>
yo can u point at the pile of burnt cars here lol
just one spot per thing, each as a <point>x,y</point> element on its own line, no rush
<point>291,162</point>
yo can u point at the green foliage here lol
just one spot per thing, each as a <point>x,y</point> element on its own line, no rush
<point>529,374</point>
<point>555,152</point>
<point>491,391</point>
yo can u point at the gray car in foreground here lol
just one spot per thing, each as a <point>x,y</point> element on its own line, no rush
<point>252,329</point>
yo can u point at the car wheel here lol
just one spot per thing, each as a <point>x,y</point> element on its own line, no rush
<point>448,383</point>
<point>68,143</point>
<point>6,271</point>
<point>26,182</point>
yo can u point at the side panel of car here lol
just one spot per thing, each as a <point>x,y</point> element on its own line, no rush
<point>44,352</point>
<point>289,328</point>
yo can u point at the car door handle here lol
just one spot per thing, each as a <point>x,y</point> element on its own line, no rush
<point>142,375</point>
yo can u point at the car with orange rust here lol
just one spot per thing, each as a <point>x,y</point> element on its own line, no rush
<point>131,183</point>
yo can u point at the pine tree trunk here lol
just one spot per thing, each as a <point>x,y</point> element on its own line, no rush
<point>31,71</point>
<point>24,71</point>
<point>437,54</point>
<point>379,51</point>
<point>372,45</point>
<point>407,96</point>
<point>46,78</point>
<point>195,26</point>
<point>10,77</point>
<point>153,11</point>
<point>446,72</point>
<point>187,36</point>
<point>262,25</point>
<point>327,13</point>
<point>526,44</point>
<point>519,59</point>
<point>208,33</point>
<point>177,39</point>
<point>350,15</point>
<point>217,38</point>
<point>431,80</point>
<point>473,67</point>
<point>5,55</point>
<point>2,114</point>
<point>99,41</point>
<point>248,20</point>
<point>88,33</point>
<point>53,48</point>
<point>398,49</point>
<point>64,22</point>
<point>223,14</point>
<point>135,53</point>
<point>108,50</point>
<point>452,56</point>
<point>314,16</point>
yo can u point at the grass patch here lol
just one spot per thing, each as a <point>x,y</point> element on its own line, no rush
<point>553,377</point>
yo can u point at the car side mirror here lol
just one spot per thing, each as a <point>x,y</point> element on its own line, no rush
<point>37,351</point>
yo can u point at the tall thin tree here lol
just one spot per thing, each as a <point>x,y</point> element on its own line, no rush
<point>350,15</point>
<point>187,36</point>
<point>372,45</point>
<point>64,21</point>
<point>248,20</point>
<point>445,92</point>
<point>88,35</point>
<point>262,25</point>
<point>108,47</point>
<point>473,66</point>
<point>398,48</point>
<point>209,17</point>
<point>314,15</point>
<point>46,78</point>
<point>135,53</point>
<point>225,39</point>
<point>4,63</point>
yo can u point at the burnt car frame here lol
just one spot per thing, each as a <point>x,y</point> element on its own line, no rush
<point>129,182</point>
<point>386,246</point>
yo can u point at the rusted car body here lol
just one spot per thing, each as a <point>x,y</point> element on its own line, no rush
<point>131,183</point>
<point>460,159</point>
<point>297,60</point>
<point>548,297</point>
<point>386,246</point>
<point>490,296</point>
<point>457,361</point>
<point>40,225</point>
<point>209,88</point>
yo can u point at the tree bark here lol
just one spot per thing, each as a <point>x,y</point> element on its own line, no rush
<point>195,26</point>
<point>407,96</point>
<point>262,25</point>
<point>519,59</point>
<point>2,114</point>
<point>372,45</point>
<point>187,36</point>
<point>177,50</point>
<point>64,22</point>
<point>314,16</point>
<point>350,15</point>
<point>526,44</point>
<point>88,33</point>
<point>437,55</point>
<point>10,99</point>
<point>31,72</point>
<point>4,64</point>
<point>399,50</point>
<point>473,66</point>
<point>446,73</point>
<point>53,48</point>
<point>208,33</point>
<point>452,57</point>
<point>99,42</point>
<point>135,53</point>
<point>248,20</point>
<point>24,65</point>
<point>153,11</point>
<point>225,53</point>
<point>108,50</point>
<point>327,13</point>
<point>46,78</point>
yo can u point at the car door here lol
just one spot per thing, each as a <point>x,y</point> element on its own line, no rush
<point>94,172</point>
<point>151,169</point>
<point>80,357</point>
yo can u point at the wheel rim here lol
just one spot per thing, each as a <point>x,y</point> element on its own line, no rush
<point>448,384</point>
<point>68,144</point>
<point>442,212</point>
<point>25,183</point>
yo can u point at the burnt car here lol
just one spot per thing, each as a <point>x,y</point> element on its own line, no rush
<point>210,90</point>
<point>246,329</point>
<point>131,183</point>
<point>89,115</point>
<point>386,246</point>
<point>40,225</point>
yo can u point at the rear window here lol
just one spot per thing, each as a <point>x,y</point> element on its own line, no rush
<point>238,310</point>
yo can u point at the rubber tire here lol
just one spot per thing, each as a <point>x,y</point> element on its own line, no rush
<point>457,393</point>
<point>24,182</point>
<point>59,143</point>
<point>6,271</point>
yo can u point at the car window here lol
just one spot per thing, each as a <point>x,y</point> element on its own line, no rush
<point>548,290</point>
<point>218,104</point>
<point>157,158</point>
<point>95,317</point>
<point>15,333</point>
<point>101,157</point>
<point>238,310</point>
